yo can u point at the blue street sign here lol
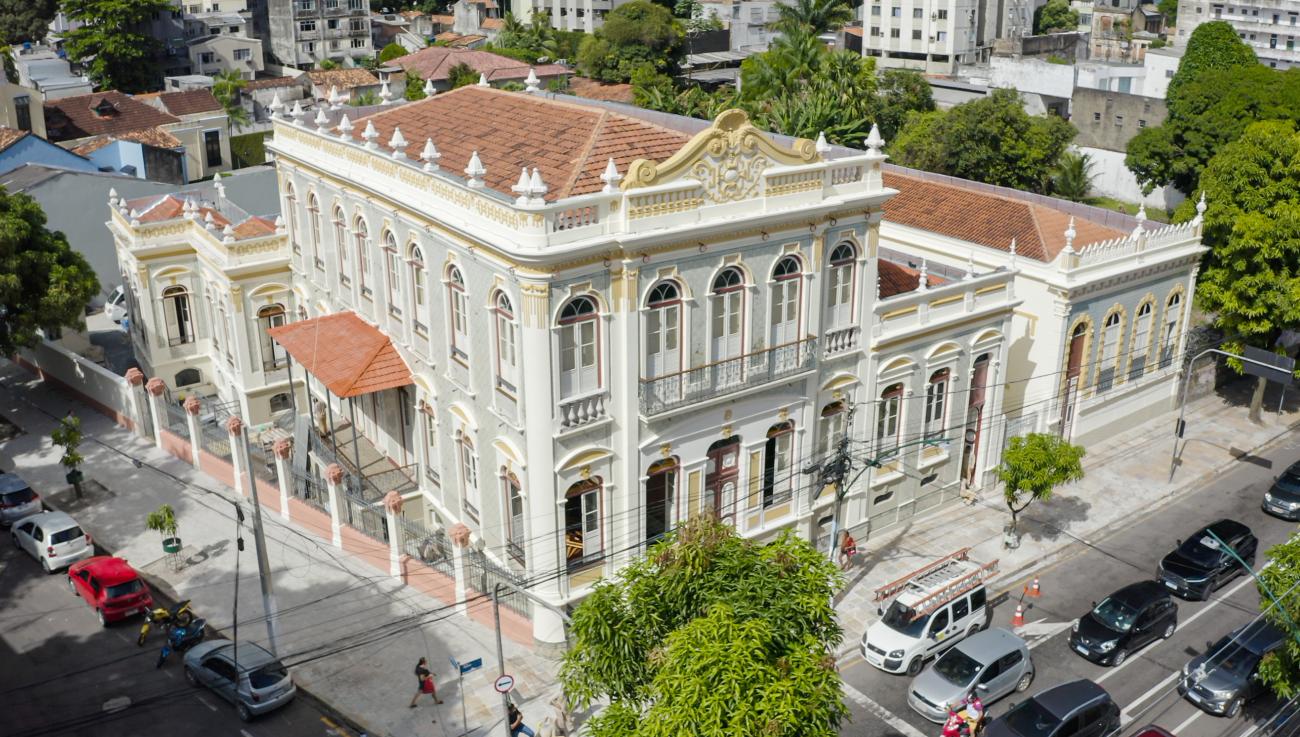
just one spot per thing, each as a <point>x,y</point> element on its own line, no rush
<point>472,665</point>
<point>454,664</point>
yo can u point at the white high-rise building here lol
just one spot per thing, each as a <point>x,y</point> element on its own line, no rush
<point>1270,27</point>
<point>931,36</point>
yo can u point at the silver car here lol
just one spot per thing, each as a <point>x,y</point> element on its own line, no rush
<point>255,683</point>
<point>17,500</point>
<point>991,664</point>
<point>53,538</point>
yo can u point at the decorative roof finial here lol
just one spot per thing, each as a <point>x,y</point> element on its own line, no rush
<point>521,187</point>
<point>532,83</point>
<point>1069,236</point>
<point>385,94</point>
<point>1141,213</point>
<point>430,155</point>
<point>970,264</point>
<point>279,225</point>
<point>221,187</point>
<point>1014,258</point>
<point>874,141</point>
<point>429,89</point>
<point>397,143</point>
<point>112,196</point>
<point>474,171</point>
<point>335,99</point>
<point>611,177</point>
<point>345,128</point>
<point>227,234</point>
<point>276,107</point>
<point>370,134</point>
<point>208,221</point>
<point>822,146</point>
<point>322,120</point>
<point>923,280</point>
<point>537,188</point>
<point>482,80</point>
<point>296,113</point>
<point>1200,210</point>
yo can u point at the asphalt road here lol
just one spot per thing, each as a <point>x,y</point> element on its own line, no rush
<point>1144,686</point>
<point>61,674</point>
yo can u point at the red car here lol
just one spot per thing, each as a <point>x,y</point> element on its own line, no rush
<point>111,587</point>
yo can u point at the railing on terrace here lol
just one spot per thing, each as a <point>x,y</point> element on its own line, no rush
<point>727,376</point>
<point>482,575</point>
<point>431,547</point>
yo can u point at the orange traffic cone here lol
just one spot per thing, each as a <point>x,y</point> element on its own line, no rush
<point>1033,588</point>
<point>1019,619</point>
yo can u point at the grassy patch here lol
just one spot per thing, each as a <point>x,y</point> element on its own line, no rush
<point>1110,203</point>
<point>248,150</point>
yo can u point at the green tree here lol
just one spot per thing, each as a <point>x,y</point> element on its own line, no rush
<point>1033,466</point>
<point>712,635</point>
<point>26,20</point>
<point>392,51</point>
<point>1055,15</point>
<point>44,284</point>
<point>113,45</point>
<point>364,99</point>
<point>461,75</point>
<point>513,33</point>
<point>327,64</point>
<point>227,87</point>
<point>902,91</point>
<point>68,436</point>
<point>414,87</point>
<point>1280,670</point>
<point>812,16</point>
<point>1213,45</point>
<point>1250,279</point>
<point>634,34</point>
<point>1073,177</point>
<point>991,140</point>
<point>1169,9</point>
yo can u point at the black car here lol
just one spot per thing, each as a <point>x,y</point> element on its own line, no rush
<point>1125,622</point>
<point>1199,564</point>
<point>1076,709</point>
<point>1283,499</point>
<point>1227,676</point>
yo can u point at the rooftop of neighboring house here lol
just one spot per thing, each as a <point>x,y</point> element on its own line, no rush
<point>853,31</point>
<point>596,90</point>
<point>100,113</point>
<point>491,24</point>
<point>189,102</point>
<point>344,79</point>
<point>459,41</point>
<point>436,62</point>
<point>444,20</point>
<point>271,82</point>
<point>202,204</point>
<point>156,137</point>
<point>412,14</point>
<point>896,279</point>
<point>10,136</point>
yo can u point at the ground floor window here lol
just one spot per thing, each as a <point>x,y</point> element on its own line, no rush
<point>582,539</point>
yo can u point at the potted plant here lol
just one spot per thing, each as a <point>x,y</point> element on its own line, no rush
<point>68,435</point>
<point>163,521</point>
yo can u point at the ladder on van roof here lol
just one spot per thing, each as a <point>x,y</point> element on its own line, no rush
<point>942,581</point>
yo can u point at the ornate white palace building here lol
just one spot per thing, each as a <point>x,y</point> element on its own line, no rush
<point>575,328</point>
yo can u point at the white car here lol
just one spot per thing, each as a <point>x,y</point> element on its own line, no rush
<point>901,641</point>
<point>53,538</point>
<point>115,306</point>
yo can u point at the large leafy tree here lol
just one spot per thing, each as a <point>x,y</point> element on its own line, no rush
<point>1280,670</point>
<point>392,51</point>
<point>26,20</point>
<point>1033,466</point>
<point>711,635</point>
<point>634,35</point>
<point>991,140</point>
<point>114,45</point>
<point>1250,280</point>
<point>227,87</point>
<point>901,92</point>
<point>812,16</point>
<point>44,284</point>
<point>1213,45</point>
<point>1055,15</point>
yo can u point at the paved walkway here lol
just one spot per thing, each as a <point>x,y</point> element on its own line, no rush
<point>1126,475</point>
<point>350,633</point>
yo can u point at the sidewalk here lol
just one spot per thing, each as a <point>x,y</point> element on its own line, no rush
<point>351,634</point>
<point>1127,475</point>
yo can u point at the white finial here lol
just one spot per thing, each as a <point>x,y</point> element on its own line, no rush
<point>1013,253</point>
<point>482,80</point>
<point>296,113</point>
<point>370,134</point>
<point>345,128</point>
<point>521,187</point>
<point>474,171</point>
<point>1200,210</point>
<point>923,278</point>
<point>191,208</point>
<point>970,265</point>
<point>877,287</point>
<point>537,188</point>
<point>385,94</point>
<point>1069,236</point>
<point>279,225</point>
<point>322,120</point>
<point>276,107</point>
<point>134,213</point>
<point>112,197</point>
<point>430,155</point>
<point>429,90</point>
<point>207,220</point>
<point>874,141</point>
<point>1142,213</point>
<point>611,177</point>
<point>221,187</point>
<point>822,146</point>
<point>228,234</point>
<point>532,83</point>
<point>335,99</point>
<point>398,144</point>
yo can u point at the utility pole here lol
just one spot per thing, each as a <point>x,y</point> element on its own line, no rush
<point>833,471</point>
<point>263,564</point>
<point>501,654</point>
<point>239,546</point>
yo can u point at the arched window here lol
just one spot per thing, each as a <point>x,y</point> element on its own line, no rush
<point>833,417</point>
<point>1141,341</point>
<point>785,302</point>
<point>281,402</point>
<point>273,355</point>
<point>889,419</point>
<point>839,296</point>
<point>514,498</point>
<point>507,343</point>
<point>660,491</point>
<point>1169,330</point>
<point>583,542</point>
<point>341,243</point>
<point>186,377</point>
<point>176,311</point>
<point>431,462</point>
<point>778,464</point>
<point>458,314</point>
<point>727,304</point>
<point>393,272</point>
<point>579,347</point>
<point>361,236</point>
<point>663,325</point>
<point>469,476</point>
<point>1108,351</point>
<point>419,285</point>
<point>291,222</point>
<point>216,337</point>
<point>313,221</point>
<point>936,403</point>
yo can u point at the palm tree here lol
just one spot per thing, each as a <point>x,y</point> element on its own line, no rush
<point>815,16</point>
<point>226,87</point>
<point>513,33</point>
<point>1073,176</point>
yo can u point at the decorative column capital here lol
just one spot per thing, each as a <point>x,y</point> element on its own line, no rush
<point>393,503</point>
<point>459,534</point>
<point>134,376</point>
<point>282,448</point>
<point>156,386</point>
<point>192,405</point>
<point>334,474</point>
<point>234,425</point>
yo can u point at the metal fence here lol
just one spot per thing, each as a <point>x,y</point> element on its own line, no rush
<point>366,517</point>
<point>482,575</point>
<point>177,421</point>
<point>216,440</point>
<point>311,491</point>
<point>433,548</point>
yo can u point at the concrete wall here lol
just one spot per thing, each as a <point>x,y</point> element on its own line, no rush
<point>1110,120</point>
<point>36,104</point>
<point>1113,179</point>
<point>1032,75</point>
<point>103,389</point>
<point>1068,45</point>
<point>191,133</point>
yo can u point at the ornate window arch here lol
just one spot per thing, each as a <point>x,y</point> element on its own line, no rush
<point>314,224</point>
<point>778,464</point>
<point>419,287</point>
<point>516,512</point>
<point>1108,348</point>
<point>361,239</point>
<point>786,302</point>
<point>177,315</point>
<point>1171,326</point>
<point>341,244</point>
<point>727,322</point>
<point>579,337</point>
<point>584,542</point>
<point>936,402</point>
<point>842,268</point>
<point>1143,331</point>
<point>468,459</point>
<point>392,273</point>
<point>660,497</point>
<point>291,222</point>
<point>889,419</point>
<point>507,343</point>
<point>273,355</point>
<point>663,329</point>
<point>458,313</point>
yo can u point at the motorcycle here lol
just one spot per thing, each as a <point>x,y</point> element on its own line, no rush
<point>177,614</point>
<point>966,719</point>
<point>181,638</point>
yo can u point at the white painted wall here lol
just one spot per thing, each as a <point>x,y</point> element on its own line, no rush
<point>1032,75</point>
<point>1113,179</point>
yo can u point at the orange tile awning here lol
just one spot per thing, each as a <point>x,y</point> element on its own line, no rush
<point>348,354</point>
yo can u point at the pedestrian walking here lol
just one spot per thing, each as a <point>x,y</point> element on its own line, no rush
<point>848,549</point>
<point>424,682</point>
<point>517,726</point>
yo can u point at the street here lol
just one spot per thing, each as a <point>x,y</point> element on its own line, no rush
<point>61,674</point>
<point>1144,686</point>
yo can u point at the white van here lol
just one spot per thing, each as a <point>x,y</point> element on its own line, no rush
<point>115,306</point>
<point>930,611</point>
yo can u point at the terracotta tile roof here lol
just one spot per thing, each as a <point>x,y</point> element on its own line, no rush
<point>10,136</point>
<point>351,356</point>
<point>255,227</point>
<point>853,31</point>
<point>411,14</point>
<point>189,102</point>
<point>100,113</point>
<point>568,143</point>
<point>595,90</point>
<point>436,61</point>
<point>161,208</point>
<point>445,20</point>
<point>492,24</point>
<point>458,41</point>
<point>987,219</point>
<point>263,84</point>
<point>344,79</point>
<point>897,279</point>
<point>148,136</point>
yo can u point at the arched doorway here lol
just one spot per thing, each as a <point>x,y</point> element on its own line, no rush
<point>1073,372</point>
<point>979,378</point>
<point>721,477</point>
<point>660,492</point>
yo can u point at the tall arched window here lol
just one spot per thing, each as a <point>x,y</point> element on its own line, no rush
<point>431,463</point>
<point>889,419</point>
<point>1111,333</point>
<point>341,243</point>
<point>1169,329</point>
<point>291,222</point>
<point>459,314</point>
<point>727,304</point>
<point>579,347</point>
<point>507,343</point>
<point>361,237</point>
<point>936,403</point>
<point>833,417</point>
<point>663,324</point>
<point>313,222</point>
<point>583,542</point>
<point>839,293</point>
<point>176,311</point>
<point>273,356</point>
<point>786,279</point>
<point>393,273</point>
<point>1141,341</point>
<point>514,499</point>
<point>469,476</point>
<point>660,491</point>
<point>419,285</point>
<point>778,464</point>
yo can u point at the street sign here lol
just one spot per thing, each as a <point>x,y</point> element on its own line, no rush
<point>1279,368</point>
<point>504,683</point>
<point>472,665</point>
<point>454,665</point>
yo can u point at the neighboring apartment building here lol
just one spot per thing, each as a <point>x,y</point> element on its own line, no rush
<point>1270,27</point>
<point>21,108</point>
<point>571,15</point>
<point>747,21</point>
<point>932,36</point>
<point>305,32</point>
<point>49,71</point>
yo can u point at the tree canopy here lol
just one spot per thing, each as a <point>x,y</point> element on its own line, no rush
<point>1033,466</point>
<point>1213,45</point>
<point>113,45</point>
<point>1280,670</point>
<point>712,635</point>
<point>812,16</point>
<point>1073,176</point>
<point>461,75</point>
<point>991,140</point>
<point>26,20</point>
<point>392,51</point>
<point>44,284</point>
<point>227,87</point>
<point>1055,15</point>
<point>637,34</point>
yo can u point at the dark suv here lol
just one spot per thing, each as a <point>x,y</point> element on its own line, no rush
<point>1199,564</point>
<point>1124,622</point>
<point>1227,676</point>
<point>1283,499</point>
<point>1076,709</point>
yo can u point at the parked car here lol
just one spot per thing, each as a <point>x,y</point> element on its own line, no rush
<point>115,306</point>
<point>1152,730</point>
<point>991,664</point>
<point>111,587</point>
<point>1283,498</point>
<point>256,682</point>
<point>1199,564</point>
<point>1125,622</point>
<point>1076,709</point>
<point>17,500</point>
<point>899,643</point>
<point>53,538</point>
<point>1221,680</point>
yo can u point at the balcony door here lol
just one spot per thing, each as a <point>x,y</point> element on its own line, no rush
<point>722,476</point>
<point>785,314</point>
<point>728,304</point>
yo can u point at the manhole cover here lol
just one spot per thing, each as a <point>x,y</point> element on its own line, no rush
<point>117,704</point>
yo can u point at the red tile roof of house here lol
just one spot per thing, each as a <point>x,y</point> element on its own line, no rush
<point>10,136</point>
<point>457,41</point>
<point>100,113</point>
<point>569,144</point>
<point>897,279</point>
<point>262,84</point>
<point>988,219</point>
<point>853,31</point>
<point>148,136</point>
<point>161,208</point>
<point>344,79</point>
<point>492,24</point>
<point>189,102</point>
<point>348,354</point>
<point>436,61</point>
